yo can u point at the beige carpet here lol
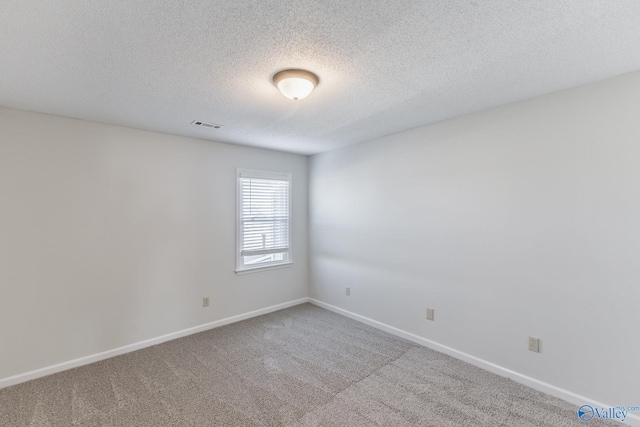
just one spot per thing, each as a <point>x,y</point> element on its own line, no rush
<point>304,366</point>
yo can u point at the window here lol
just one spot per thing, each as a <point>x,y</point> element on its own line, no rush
<point>264,224</point>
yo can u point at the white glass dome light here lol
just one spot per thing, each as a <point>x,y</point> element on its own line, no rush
<point>295,84</point>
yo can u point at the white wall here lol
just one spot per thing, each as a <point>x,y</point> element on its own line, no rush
<point>522,220</point>
<point>110,236</point>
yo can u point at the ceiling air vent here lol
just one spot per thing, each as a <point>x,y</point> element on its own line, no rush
<point>202,124</point>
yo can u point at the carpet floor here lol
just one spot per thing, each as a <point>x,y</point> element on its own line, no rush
<point>303,366</point>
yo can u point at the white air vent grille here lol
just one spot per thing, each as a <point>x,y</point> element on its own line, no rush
<point>200,123</point>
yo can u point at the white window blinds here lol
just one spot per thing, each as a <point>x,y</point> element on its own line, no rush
<point>263,218</point>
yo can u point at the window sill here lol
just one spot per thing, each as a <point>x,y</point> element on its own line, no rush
<point>266,267</point>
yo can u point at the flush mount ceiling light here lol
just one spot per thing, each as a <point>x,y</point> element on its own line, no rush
<point>295,84</point>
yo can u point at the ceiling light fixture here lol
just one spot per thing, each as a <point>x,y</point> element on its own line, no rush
<point>295,84</point>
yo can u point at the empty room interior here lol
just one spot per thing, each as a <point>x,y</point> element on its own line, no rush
<point>328,213</point>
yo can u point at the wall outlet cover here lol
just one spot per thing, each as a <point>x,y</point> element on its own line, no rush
<point>205,302</point>
<point>430,314</point>
<point>534,344</point>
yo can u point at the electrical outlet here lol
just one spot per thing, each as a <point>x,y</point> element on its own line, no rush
<point>534,344</point>
<point>205,302</point>
<point>347,291</point>
<point>430,314</point>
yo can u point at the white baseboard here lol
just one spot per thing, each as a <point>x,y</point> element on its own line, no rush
<point>576,399</point>
<point>42,372</point>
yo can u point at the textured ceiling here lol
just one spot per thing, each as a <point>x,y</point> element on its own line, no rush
<point>384,66</point>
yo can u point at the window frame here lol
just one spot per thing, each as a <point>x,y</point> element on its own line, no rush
<point>242,268</point>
